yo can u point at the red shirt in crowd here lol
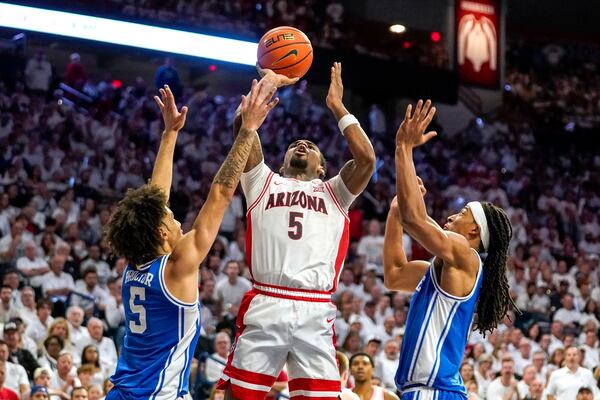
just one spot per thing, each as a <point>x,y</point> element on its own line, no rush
<point>7,394</point>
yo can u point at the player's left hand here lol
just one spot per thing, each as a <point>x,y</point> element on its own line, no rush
<point>336,88</point>
<point>174,120</point>
<point>410,132</point>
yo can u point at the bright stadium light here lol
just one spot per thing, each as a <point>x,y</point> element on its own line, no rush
<point>127,33</point>
<point>397,28</point>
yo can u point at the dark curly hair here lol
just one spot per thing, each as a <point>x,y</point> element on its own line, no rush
<point>494,300</point>
<point>133,227</point>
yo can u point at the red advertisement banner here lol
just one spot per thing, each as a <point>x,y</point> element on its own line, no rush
<point>478,42</point>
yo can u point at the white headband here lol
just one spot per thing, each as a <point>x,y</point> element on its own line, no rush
<point>481,221</point>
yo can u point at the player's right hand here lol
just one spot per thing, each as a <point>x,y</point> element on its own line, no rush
<point>257,104</point>
<point>174,120</point>
<point>278,80</point>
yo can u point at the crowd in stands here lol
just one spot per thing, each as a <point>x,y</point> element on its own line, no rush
<point>63,169</point>
<point>558,83</point>
<point>327,24</point>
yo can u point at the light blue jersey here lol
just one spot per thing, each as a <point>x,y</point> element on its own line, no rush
<point>437,330</point>
<point>161,336</point>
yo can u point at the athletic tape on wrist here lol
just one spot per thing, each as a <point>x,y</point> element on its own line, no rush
<point>346,121</point>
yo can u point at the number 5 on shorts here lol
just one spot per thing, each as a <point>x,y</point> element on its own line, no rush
<point>138,309</point>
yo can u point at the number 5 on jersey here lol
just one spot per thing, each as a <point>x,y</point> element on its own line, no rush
<point>138,309</point>
<point>295,231</point>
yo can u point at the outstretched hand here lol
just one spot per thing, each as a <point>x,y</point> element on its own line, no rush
<point>336,88</point>
<point>410,132</point>
<point>174,120</point>
<point>257,104</point>
<point>278,80</point>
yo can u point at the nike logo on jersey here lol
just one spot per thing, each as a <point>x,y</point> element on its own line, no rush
<point>297,198</point>
<point>289,53</point>
<point>330,319</point>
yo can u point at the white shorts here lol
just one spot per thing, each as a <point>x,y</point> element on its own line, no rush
<point>277,325</point>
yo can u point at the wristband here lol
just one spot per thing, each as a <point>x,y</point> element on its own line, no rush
<point>346,121</point>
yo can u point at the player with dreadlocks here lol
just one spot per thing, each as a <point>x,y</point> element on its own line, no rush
<point>450,287</point>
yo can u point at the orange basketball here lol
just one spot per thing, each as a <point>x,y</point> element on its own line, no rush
<point>286,51</point>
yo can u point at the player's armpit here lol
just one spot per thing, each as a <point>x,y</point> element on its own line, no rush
<point>193,247</point>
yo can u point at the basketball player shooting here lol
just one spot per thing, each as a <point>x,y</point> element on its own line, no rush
<point>160,283</point>
<point>297,237</point>
<point>453,285</point>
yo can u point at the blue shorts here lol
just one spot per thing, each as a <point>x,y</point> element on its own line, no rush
<point>116,394</point>
<point>432,394</point>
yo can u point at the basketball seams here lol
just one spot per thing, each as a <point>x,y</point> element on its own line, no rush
<point>291,65</point>
<point>284,45</point>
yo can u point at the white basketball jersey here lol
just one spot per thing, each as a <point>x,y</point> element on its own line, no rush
<point>297,231</point>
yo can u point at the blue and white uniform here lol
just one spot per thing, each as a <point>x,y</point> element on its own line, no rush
<point>161,336</point>
<point>437,330</point>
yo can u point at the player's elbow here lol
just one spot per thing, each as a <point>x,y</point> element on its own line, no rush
<point>366,160</point>
<point>222,194</point>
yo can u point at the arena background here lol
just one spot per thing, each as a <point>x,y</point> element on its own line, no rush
<point>518,122</point>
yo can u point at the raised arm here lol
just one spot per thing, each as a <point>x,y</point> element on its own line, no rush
<point>357,172</point>
<point>449,246</point>
<point>268,77</point>
<point>194,245</point>
<point>162,174</point>
<point>398,272</point>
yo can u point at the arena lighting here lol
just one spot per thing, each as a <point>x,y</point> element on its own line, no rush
<point>127,34</point>
<point>397,28</point>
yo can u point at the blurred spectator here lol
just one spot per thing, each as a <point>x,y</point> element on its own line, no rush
<point>505,386</point>
<point>38,74</point>
<point>57,283</point>
<point>79,335</point>
<point>90,296</point>
<point>6,393</point>
<point>216,362</point>
<point>231,290</point>
<point>387,363</point>
<point>106,347</point>
<point>17,354</point>
<point>32,265</point>
<point>7,309</point>
<point>15,377</point>
<point>168,75</point>
<point>565,382</point>
<point>39,392</point>
<point>64,378</point>
<point>75,75</point>
<point>370,246</point>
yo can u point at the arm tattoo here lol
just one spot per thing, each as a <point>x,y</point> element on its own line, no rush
<point>256,152</point>
<point>232,167</point>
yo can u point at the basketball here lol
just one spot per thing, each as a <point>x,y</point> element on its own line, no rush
<point>285,50</point>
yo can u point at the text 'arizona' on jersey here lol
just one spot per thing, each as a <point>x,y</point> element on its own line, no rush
<point>297,231</point>
<point>437,330</point>
<point>160,339</point>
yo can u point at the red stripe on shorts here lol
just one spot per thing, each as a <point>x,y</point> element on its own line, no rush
<point>241,393</point>
<point>315,385</point>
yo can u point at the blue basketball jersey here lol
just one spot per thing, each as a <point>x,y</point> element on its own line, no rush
<point>437,329</point>
<point>161,335</point>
